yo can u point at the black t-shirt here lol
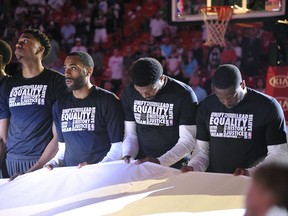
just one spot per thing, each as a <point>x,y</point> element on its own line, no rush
<point>88,126</point>
<point>238,137</point>
<point>158,120</point>
<point>28,103</point>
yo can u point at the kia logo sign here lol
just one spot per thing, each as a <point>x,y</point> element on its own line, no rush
<point>283,102</point>
<point>279,81</point>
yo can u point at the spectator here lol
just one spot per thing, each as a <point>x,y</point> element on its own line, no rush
<point>174,65</point>
<point>228,54</point>
<point>68,32</point>
<point>21,10</point>
<point>189,65</point>
<point>97,56</point>
<point>103,6</point>
<point>157,25</point>
<point>36,23</point>
<point>150,8</point>
<point>11,31</point>
<point>36,7</point>
<point>166,47</point>
<point>52,58</point>
<point>111,21</point>
<point>82,25</point>
<point>251,51</point>
<point>53,29</point>
<point>78,46</point>
<point>238,51</point>
<point>128,60</point>
<point>260,85</point>
<point>144,50</point>
<point>214,58</point>
<point>100,33</point>
<point>54,4</point>
<point>194,82</point>
<point>207,83</point>
<point>115,63</point>
<point>157,54</point>
<point>198,52</point>
<point>57,16</point>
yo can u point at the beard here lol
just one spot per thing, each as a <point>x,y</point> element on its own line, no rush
<point>77,83</point>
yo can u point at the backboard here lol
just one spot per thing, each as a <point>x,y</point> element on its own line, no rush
<point>243,10</point>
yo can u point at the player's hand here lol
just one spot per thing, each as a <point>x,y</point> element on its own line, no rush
<point>126,159</point>
<point>241,171</point>
<point>15,176</point>
<point>186,169</point>
<point>80,165</point>
<point>49,166</point>
<point>147,159</point>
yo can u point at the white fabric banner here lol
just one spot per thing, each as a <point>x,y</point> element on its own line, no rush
<point>116,188</point>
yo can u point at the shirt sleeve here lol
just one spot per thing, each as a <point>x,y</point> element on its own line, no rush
<point>56,113</point>
<point>183,147</point>
<point>115,152</point>
<point>58,160</point>
<point>276,154</point>
<point>130,144</point>
<point>200,156</point>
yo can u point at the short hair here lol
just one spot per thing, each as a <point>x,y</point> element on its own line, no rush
<point>274,178</point>
<point>226,76</point>
<point>146,71</point>
<point>42,38</point>
<point>85,58</point>
<point>6,52</point>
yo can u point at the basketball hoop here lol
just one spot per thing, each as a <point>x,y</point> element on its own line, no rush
<point>216,19</point>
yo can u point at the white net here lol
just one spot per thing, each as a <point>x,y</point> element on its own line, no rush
<point>216,19</point>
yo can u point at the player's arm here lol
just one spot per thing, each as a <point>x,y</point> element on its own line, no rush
<point>275,132</point>
<point>187,132</point>
<point>276,153</point>
<point>58,160</point>
<point>115,152</point>
<point>49,152</point>
<point>130,146</point>
<point>200,157</point>
<point>183,147</point>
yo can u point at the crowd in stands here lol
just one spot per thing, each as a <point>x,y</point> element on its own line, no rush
<point>118,32</point>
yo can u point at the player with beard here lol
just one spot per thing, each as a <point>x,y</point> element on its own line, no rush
<point>88,119</point>
<point>160,116</point>
<point>26,106</point>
